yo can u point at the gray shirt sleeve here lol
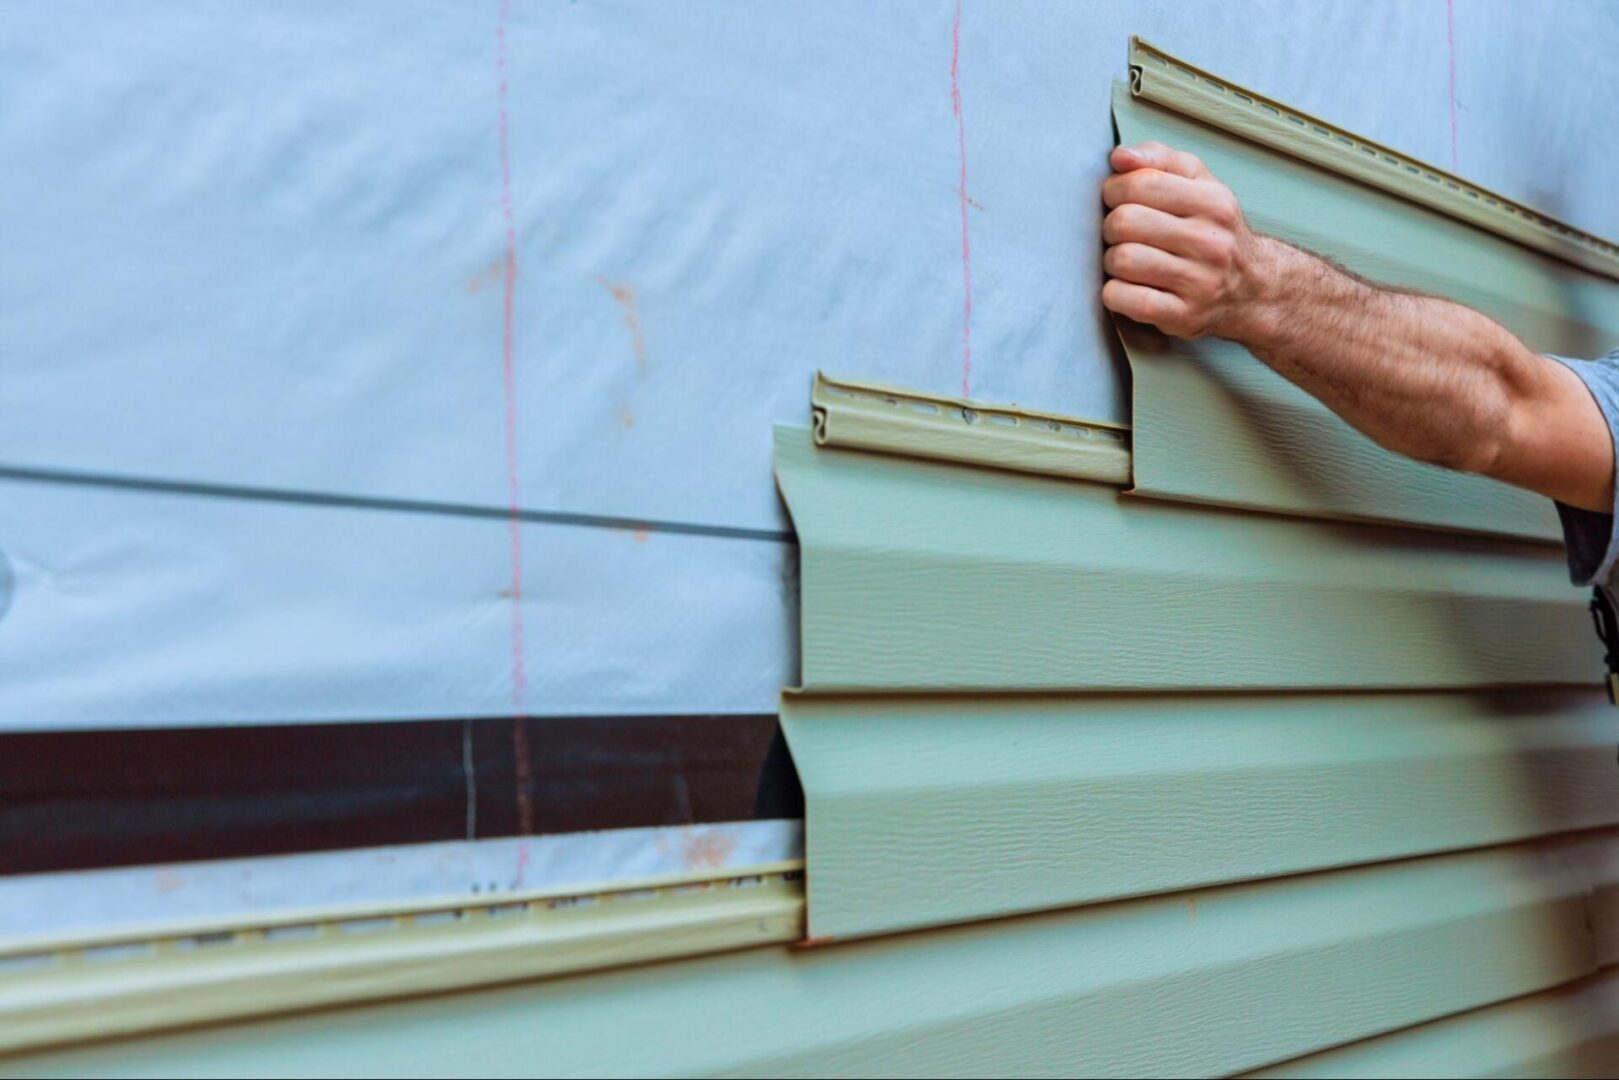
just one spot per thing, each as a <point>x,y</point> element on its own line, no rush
<point>1588,535</point>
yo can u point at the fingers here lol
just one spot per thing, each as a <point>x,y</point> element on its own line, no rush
<point>1164,191</point>
<point>1144,304</point>
<point>1155,155</point>
<point>1133,223</point>
<point>1175,237</point>
<point>1146,265</point>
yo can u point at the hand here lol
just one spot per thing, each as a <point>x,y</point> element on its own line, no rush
<point>1180,255</point>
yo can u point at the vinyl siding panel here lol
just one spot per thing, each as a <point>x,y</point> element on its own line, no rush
<point>1210,982</point>
<point>1212,425</point>
<point>1171,81</point>
<point>1024,692</point>
<point>932,810</point>
<point>1027,693</point>
<point>925,576</point>
<point>1572,1031</point>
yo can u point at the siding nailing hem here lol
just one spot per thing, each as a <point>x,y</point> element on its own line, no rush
<point>1166,80</point>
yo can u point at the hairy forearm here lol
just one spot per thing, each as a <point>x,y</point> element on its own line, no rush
<point>1421,376</point>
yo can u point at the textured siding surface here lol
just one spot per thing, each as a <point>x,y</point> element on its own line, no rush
<point>1192,983</point>
<point>1572,1031</point>
<point>932,810</point>
<point>939,789</point>
<point>1032,692</point>
<point>1211,425</point>
<point>919,575</point>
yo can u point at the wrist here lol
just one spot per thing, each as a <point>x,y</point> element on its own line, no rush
<point>1258,318</point>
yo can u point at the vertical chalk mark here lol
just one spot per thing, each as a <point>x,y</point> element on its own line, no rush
<point>520,749</point>
<point>966,243</point>
<point>472,780</point>
<point>1450,35</point>
<point>521,878</point>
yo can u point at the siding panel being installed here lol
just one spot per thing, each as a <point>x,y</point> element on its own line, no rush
<point>1212,425</point>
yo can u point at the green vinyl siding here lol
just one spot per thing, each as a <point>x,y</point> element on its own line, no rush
<point>1571,1031</point>
<point>924,576</point>
<point>1210,424</point>
<point>1175,84</point>
<point>1211,982</point>
<point>1024,692</point>
<point>924,810</point>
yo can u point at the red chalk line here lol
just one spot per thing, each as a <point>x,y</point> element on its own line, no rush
<point>520,748</point>
<point>1450,35</point>
<point>966,244</point>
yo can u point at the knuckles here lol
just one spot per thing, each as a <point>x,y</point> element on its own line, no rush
<point>1223,206</point>
<point>1209,199</point>
<point>1174,275</point>
<point>1120,261</point>
<point>1116,225</point>
<point>1221,249</point>
<point>1218,204</point>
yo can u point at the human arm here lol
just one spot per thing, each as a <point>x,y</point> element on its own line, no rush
<point>1419,375</point>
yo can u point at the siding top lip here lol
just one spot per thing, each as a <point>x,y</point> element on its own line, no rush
<point>873,417</point>
<point>1160,77</point>
<point>838,385</point>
